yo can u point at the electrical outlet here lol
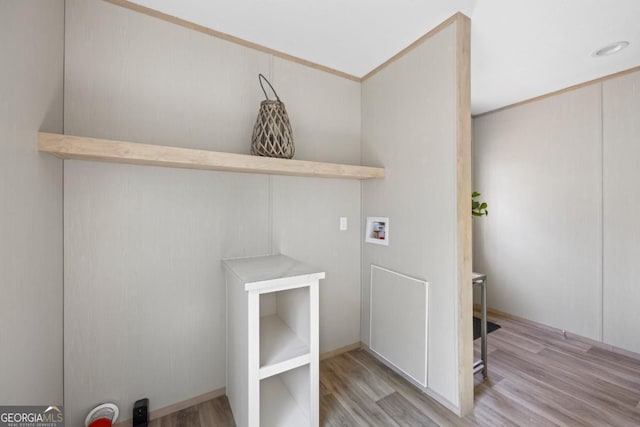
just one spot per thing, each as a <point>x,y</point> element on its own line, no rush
<point>343,223</point>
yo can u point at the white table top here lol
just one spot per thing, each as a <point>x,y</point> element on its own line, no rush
<point>269,271</point>
<point>478,277</point>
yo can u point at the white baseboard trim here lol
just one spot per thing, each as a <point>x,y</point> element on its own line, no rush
<point>175,407</point>
<point>340,350</point>
<point>580,338</point>
<point>426,390</point>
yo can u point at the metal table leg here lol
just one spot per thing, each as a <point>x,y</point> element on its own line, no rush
<point>483,330</point>
<point>481,365</point>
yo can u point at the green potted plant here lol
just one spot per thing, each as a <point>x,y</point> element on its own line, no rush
<point>478,208</point>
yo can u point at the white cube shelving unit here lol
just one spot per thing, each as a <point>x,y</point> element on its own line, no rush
<point>272,341</point>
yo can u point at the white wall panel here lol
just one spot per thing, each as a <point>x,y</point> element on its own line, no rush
<point>324,111</point>
<point>325,115</point>
<point>409,127</point>
<point>144,288</point>
<point>621,298</point>
<point>143,245</point>
<point>137,78</point>
<point>31,54</point>
<point>306,214</point>
<point>399,313</point>
<point>539,168</point>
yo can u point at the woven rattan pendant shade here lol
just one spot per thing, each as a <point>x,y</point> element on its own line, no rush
<point>272,135</point>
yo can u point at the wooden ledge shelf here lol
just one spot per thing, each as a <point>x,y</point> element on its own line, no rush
<point>103,150</point>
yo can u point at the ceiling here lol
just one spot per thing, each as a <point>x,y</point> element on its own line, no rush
<point>519,49</point>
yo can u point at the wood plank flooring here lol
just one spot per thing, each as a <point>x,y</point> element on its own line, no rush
<point>536,378</point>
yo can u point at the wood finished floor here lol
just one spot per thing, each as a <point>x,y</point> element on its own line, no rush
<point>536,378</point>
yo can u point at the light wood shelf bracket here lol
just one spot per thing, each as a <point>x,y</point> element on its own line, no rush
<point>103,150</point>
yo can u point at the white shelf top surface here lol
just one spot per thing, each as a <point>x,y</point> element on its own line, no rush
<point>478,276</point>
<point>271,271</point>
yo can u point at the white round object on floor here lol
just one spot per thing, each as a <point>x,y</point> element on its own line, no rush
<point>106,410</point>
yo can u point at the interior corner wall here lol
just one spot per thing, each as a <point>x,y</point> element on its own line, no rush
<point>538,166</point>
<point>306,211</point>
<point>144,289</point>
<point>31,56</point>
<point>560,243</point>
<point>409,126</point>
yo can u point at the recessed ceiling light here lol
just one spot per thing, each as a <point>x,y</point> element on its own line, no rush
<point>610,49</point>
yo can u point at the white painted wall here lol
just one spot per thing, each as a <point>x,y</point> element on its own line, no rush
<point>409,126</point>
<point>538,168</point>
<point>306,214</point>
<point>143,293</point>
<point>144,244</point>
<point>621,164</point>
<point>325,111</point>
<point>31,46</point>
<point>560,245</point>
